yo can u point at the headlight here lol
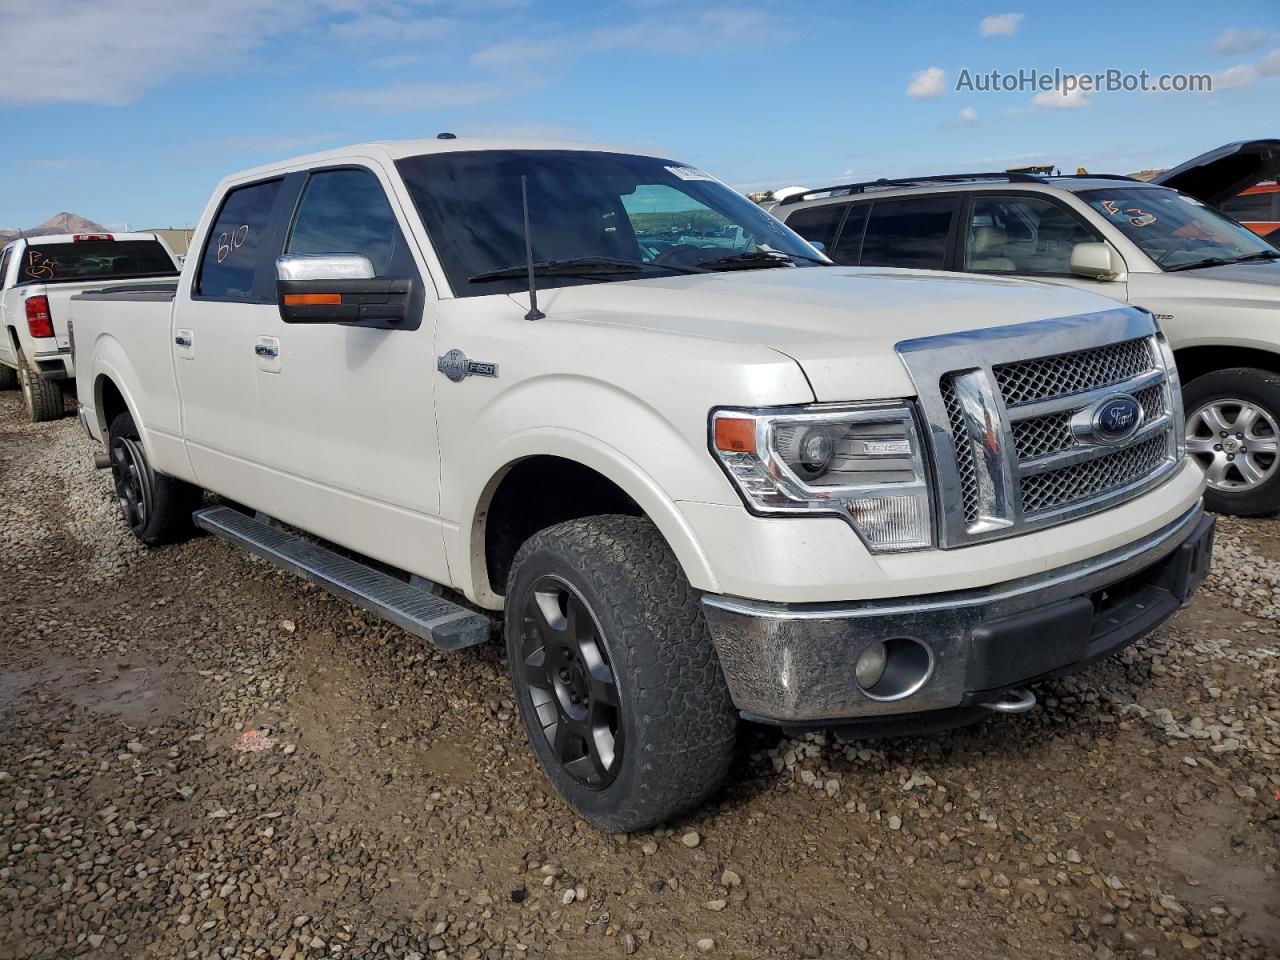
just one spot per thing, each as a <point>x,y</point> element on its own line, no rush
<point>861,462</point>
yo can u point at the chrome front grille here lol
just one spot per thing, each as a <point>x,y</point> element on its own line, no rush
<point>1044,491</point>
<point>1016,440</point>
<point>1031,380</point>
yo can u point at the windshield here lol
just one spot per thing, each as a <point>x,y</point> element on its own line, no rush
<point>1173,229</point>
<point>584,204</point>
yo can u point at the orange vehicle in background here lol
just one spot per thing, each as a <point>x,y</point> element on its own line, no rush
<point>1241,179</point>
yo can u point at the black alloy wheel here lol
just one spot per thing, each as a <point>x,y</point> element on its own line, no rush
<point>571,684</point>
<point>131,474</point>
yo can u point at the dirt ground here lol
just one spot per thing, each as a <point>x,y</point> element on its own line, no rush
<point>395,811</point>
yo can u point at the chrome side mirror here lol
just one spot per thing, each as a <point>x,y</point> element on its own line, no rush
<point>1097,261</point>
<point>324,266</point>
<point>339,288</point>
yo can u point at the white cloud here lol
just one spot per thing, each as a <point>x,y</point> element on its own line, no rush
<point>413,97</point>
<point>1061,99</point>
<point>111,51</point>
<point>968,118</point>
<point>1233,78</point>
<point>1001,24</point>
<point>927,84</point>
<point>686,33</point>
<point>1270,65</point>
<point>372,29</point>
<point>1233,41</point>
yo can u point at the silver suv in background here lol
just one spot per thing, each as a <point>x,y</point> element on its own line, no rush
<point>1213,284</point>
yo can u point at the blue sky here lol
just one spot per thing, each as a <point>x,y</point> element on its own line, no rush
<point>131,110</point>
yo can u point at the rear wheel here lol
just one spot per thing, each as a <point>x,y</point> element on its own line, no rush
<point>156,508</point>
<point>616,675</point>
<point>42,398</point>
<point>1233,430</point>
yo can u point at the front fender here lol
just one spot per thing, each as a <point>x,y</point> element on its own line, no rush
<point>467,551</point>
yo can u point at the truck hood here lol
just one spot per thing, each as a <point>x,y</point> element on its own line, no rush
<point>1223,172</point>
<point>841,324</point>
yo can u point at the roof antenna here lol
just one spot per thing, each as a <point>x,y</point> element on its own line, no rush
<point>534,313</point>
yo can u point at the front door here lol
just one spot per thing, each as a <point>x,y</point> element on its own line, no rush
<point>348,411</point>
<point>1029,236</point>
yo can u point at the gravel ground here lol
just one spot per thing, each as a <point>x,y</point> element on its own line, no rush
<point>203,757</point>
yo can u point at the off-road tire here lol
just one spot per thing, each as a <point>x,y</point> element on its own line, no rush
<point>677,721</point>
<point>1262,389</point>
<point>157,509</point>
<point>8,378</point>
<point>41,397</point>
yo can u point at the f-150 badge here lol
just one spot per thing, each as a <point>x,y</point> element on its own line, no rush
<point>457,367</point>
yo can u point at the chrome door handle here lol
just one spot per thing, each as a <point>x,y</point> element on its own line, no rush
<point>263,350</point>
<point>182,341</point>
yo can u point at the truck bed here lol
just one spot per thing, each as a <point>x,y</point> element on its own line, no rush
<point>159,291</point>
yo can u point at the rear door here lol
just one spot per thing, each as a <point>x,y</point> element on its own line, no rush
<point>348,410</point>
<point>216,325</point>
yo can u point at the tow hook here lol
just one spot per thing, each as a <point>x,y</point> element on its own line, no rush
<point>101,460</point>
<point>1017,700</point>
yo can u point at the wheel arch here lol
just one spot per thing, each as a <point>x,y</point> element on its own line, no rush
<point>586,480</point>
<point>1196,361</point>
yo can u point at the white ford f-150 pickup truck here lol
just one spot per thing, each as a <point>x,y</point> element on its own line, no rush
<point>707,474</point>
<point>38,276</point>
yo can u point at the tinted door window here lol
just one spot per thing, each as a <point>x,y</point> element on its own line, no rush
<point>347,211</point>
<point>1022,235</point>
<point>235,243</point>
<point>848,246</point>
<point>909,233</point>
<point>818,224</point>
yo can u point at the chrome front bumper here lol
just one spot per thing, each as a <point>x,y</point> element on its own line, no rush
<point>794,663</point>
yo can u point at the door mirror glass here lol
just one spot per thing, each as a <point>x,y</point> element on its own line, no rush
<point>1097,261</point>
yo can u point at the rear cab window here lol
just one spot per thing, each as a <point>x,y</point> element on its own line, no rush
<point>96,259</point>
<point>236,241</point>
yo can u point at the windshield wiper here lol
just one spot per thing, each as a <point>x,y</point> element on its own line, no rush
<point>1197,264</point>
<point>757,258</point>
<point>578,267</point>
<point>1260,255</point>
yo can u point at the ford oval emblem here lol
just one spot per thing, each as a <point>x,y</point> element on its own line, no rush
<point>1117,418</point>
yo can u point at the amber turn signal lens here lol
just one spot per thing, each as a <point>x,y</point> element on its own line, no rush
<point>312,299</point>
<point>736,436</point>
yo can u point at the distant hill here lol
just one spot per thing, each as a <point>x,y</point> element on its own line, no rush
<point>58,223</point>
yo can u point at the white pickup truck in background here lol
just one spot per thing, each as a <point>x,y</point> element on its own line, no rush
<point>707,474</point>
<point>38,276</point>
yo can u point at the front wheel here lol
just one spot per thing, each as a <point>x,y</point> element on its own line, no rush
<point>617,678</point>
<point>1233,430</point>
<point>157,509</point>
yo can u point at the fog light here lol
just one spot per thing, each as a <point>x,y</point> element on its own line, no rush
<point>870,666</point>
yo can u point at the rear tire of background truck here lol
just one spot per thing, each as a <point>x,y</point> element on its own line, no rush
<point>156,508</point>
<point>42,398</point>
<point>615,672</point>
<point>1233,431</point>
<point>8,378</point>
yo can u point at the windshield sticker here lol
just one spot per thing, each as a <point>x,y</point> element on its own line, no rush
<point>1136,216</point>
<point>689,173</point>
<point>39,267</point>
